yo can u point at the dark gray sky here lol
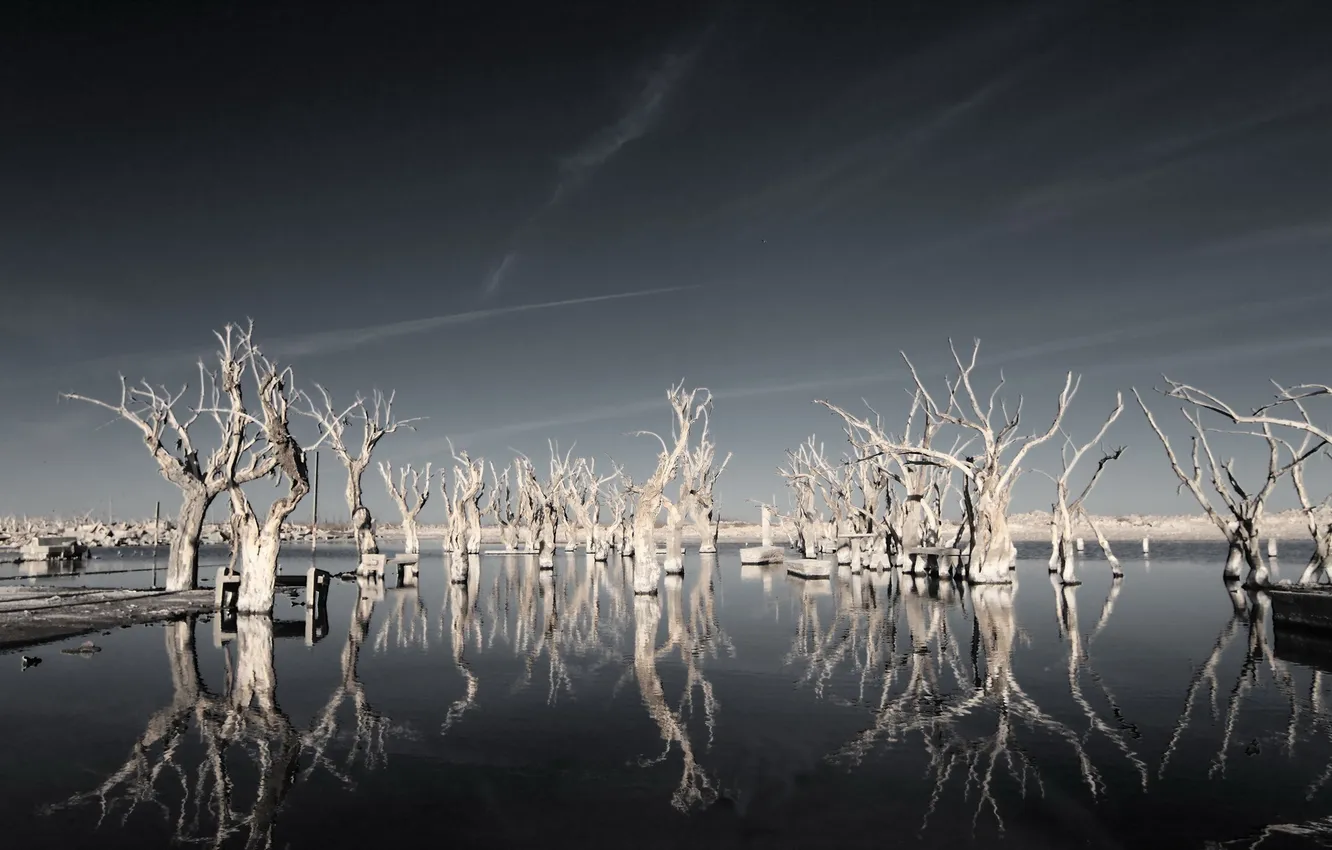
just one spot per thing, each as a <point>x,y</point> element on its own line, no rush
<point>1119,189</point>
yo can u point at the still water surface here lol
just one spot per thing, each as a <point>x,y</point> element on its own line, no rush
<point>740,707</point>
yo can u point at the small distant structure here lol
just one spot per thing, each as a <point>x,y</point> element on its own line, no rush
<point>53,549</point>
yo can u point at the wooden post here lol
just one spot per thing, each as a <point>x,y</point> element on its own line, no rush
<point>157,525</point>
<point>767,528</point>
<point>1144,546</point>
<point>1079,544</point>
<point>1271,547</point>
<point>314,508</point>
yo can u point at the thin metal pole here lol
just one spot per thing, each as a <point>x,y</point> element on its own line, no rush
<point>314,511</point>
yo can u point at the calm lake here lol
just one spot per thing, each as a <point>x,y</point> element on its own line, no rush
<point>740,707</point>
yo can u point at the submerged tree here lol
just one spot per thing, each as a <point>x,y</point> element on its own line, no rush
<point>1245,506</point>
<point>990,476</point>
<point>464,506</point>
<point>1315,438</point>
<point>166,424</point>
<point>258,542</point>
<point>410,499</point>
<point>688,409</point>
<point>376,421</point>
<point>1064,513</point>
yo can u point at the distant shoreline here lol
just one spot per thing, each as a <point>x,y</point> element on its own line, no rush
<point>1028,527</point>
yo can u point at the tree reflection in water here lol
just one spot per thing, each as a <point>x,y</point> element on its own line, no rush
<point>969,714</point>
<point>206,803</point>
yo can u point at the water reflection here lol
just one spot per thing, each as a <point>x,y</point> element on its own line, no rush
<point>985,708</point>
<point>251,751</point>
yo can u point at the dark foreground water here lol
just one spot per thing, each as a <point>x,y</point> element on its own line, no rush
<point>738,708</point>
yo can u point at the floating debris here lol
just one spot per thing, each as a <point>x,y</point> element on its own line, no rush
<point>85,648</point>
<point>30,661</point>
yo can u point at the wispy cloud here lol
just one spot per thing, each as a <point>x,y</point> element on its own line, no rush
<point>578,167</point>
<point>1305,233</point>
<point>345,339</point>
<point>894,369</point>
<point>497,276</point>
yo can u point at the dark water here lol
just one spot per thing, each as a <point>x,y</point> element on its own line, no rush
<point>738,708</point>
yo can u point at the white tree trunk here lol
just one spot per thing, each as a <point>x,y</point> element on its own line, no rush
<point>994,549</point>
<point>647,571</point>
<point>627,547</point>
<point>183,560</point>
<point>258,549</point>
<point>1243,549</point>
<point>411,540</point>
<point>363,524</point>
<point>1317,570</point>
<point>672,562</point>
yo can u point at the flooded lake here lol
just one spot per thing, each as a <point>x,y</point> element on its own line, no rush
<point>740,707</point>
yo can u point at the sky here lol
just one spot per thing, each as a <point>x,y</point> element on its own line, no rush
<point>530,219</point>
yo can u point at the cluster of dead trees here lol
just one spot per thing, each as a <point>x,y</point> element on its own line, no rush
<point>888,501</point>
<point>885,502</point>
<point>250,400</point>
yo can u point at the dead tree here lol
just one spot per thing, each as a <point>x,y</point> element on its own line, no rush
<point>469,482</point>
<point>621,498</point>
<point>1246,508</point>
<point>1314,439</point>
<point>1064,513</point>
<point>583,496</point>
<point>989,475</point>
<point>259,542</point>
<point>801,481</point>
<point>500,505</point>
<point>545,502</point>
<point>166,428</point>
<point>410,499</point>
<point>1320,528</point>
<point>688,409</point>
<point>376,421</point>
<point>526,504</point>
<point>700,479</point>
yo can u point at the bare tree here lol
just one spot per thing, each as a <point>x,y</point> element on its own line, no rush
<point>545,502</point>
<point>801,481</point>
<point>500,505</point>
<point>410,499</point>
<point>464,505</point>
<point>1246,508</point>
<point>620,499</point>
<point>989,475</point>
<point>700,474</point>
<point>259,542</point>
<point>160,416</point>
<point>1320,528</point>
<point>1063,512</point>
<point>583,496</point>
<point>376,421</point>
<point>688,409</point>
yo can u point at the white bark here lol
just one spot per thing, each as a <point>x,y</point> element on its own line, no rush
<point>990,475</point>
<point>259,542</point>
<point>410,499</point>
<point>376,421</point>
<point>155,411</point>
<point>1244,526</point>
